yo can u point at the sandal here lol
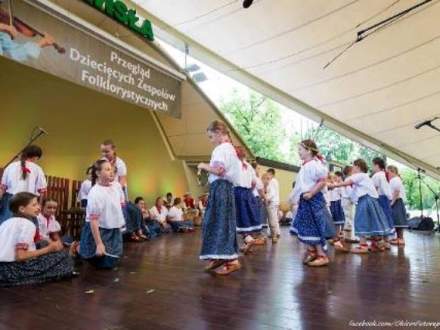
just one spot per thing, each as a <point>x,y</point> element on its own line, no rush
<point>309,256</point>
<point>228,268</point>
<point>213,264</point>
<point>361,249</point>
<point>339,247</point>
<point>260,241</point>
<point>246,247</point>
<point>143,237</point>
<point>319,261</point>
<point>376,247</point>
<point>394,241</point>
<point>401,242</point>
<point>134,238</point>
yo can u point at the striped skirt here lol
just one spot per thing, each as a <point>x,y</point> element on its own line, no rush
<point>219,239</point>
<point>247,211</point>
<point>370,219</point>
<point>313,223</point>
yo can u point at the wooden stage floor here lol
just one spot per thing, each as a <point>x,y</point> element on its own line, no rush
<point>161,285</point>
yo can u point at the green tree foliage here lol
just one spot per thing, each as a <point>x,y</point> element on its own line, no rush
<point>411,182</point>
<point>337,147</point>
<point>258,121</point>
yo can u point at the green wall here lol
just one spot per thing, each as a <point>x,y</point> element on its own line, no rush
<point>77,120</point>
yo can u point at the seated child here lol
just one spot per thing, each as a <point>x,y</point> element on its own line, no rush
<point>159,213</point>
<point>20,262</point>
<point>86,185</point>
<point>49,227</point>
<point>175,218</point>
<point>152,227</point>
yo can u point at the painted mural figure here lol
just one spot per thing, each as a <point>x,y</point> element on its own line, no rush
<point>12,29</point>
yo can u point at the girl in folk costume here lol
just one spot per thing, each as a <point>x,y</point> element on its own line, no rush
<point>159,214</point>
<point>175,218</point>
<point>49,227</point>
<point>369,219</point>
<point>336,210</point>
<point>397,204</point>
<point>86,185</point>
<point>310,224</point>
<point>335,196</point>
<point>248,223</point>
<point>22,176</point>
<point>219,240</point>
<point>258,192</point>
<point>348,203</point>
<point>380,180</point>
<point>20,262</point>
<point>108,151</point>
<point>101,237</point>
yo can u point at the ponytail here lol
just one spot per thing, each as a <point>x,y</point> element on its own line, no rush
<point>30,151</point>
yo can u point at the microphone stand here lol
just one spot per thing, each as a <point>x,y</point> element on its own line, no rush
<point>436,198</point>
<point>32,139</point>
<point>419,177</point>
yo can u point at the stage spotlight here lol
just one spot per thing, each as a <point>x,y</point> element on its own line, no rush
<point>247,3</point>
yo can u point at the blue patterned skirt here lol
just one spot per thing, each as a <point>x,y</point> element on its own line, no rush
<point>337,212</point>
<point>112,240</point>
<point>370,219</point>
<point>219,240</point>
<point>385,204</point>
<point>48,267</point>
<point>398,211</point>
<point>5,212</point>
<point>313,223</point>
<point>248,214</point>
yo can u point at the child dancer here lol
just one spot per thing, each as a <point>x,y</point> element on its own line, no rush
<point>219,244</point>
<point>86,185</point>
<point>382,186</point>
<point>101,237</point>
<point>176,220</point>
<point>108,151</point>
<point>20,262</point>
<point>49,227</point>
<point>335,196</point>
<point>272,199</point>
<point>258,192</point>
<point>22,176</point>
<point>312,214</point>
<point>369,220</point>
<point>397,204</point>
<point>248,223</point>
<point>338,216</point>
<point>348,203</point>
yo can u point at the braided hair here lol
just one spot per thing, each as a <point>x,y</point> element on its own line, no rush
<point>29,152</point>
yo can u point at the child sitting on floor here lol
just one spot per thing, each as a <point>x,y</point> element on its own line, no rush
<point>49,227</point>
<point>20,262</point>
<point>175,218</point>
